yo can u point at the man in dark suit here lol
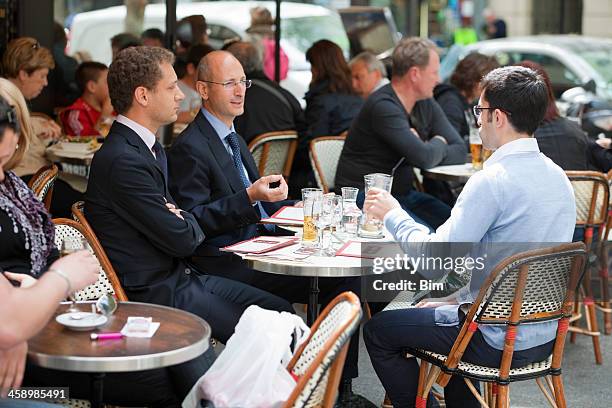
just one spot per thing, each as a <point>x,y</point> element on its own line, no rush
<point>214,177</point>
<point>128,204</point>
<point>401,121</point>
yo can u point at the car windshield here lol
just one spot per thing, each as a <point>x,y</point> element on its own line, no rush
<point>598,56</point>
<point>302,32</point>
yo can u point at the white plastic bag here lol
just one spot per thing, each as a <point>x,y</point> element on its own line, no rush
<point>251,371</point>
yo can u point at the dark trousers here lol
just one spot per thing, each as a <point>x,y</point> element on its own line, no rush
<point>163,388</point>
<point>291,288</point>
<point>388,334</point>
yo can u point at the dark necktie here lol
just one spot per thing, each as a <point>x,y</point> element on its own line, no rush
<point>232,140</point>
<point>160,158</point>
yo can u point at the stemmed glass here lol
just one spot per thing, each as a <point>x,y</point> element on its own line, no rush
<point>327,217</point>
<point>70,245</point>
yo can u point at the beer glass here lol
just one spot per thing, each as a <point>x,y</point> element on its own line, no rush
<point>311,197</point>
<point>476,149</point>
<point>369,226</point>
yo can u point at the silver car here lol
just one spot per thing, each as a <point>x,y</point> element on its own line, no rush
<point>570,60</point>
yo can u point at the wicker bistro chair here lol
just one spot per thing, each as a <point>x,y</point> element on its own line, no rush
<point>274,151</point>
<point>318,362</point>
<point>591,191</point>
<point>107,280</point>
<point>532,286</point>
<point>605,305</point>
<point>324,156</point>
<point>42,183</point>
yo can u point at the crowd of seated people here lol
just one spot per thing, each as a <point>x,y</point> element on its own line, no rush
<point>164,216</point>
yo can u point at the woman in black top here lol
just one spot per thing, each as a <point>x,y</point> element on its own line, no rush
<point>560,139</point>
<point>331,105</point>
<point>455,98</point>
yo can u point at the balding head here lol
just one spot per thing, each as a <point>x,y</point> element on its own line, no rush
<point>213,64</point>
<point>222,85</point>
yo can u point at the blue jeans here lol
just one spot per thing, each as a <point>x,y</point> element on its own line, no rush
<point>388,334</point>
<point>424,208</point>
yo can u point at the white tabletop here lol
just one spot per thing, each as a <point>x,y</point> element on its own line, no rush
<point>455,172</point>
<point>317,265</point>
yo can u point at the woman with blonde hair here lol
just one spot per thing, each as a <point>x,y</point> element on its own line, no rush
<point>26,64</point>
<point>30,155</point>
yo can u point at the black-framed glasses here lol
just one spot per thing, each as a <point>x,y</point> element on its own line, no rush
<point>478,110</point>
<point>246,83</point>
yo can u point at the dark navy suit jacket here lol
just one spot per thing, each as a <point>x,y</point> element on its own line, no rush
<point>205,182</point>
<point>125,204</point>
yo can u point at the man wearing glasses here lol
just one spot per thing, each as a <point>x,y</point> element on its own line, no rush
<point>520,196</point>
<point>213,176</point>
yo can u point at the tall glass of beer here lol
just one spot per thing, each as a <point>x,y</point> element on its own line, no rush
<point>311,197</point>
<point>476,149</point>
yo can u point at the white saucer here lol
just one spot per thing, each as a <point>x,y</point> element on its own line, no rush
<point>87,321</point>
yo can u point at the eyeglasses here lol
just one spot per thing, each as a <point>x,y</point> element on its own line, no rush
<point>478,110</point>
<point>246,83</point>
<point>9,115</point>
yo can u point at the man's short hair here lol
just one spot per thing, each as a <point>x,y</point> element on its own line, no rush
<point>154,34</point>
<point>371,62</point>
<point>122,41</point>
<point>134,67</point>
<point>88,71</point>
<point>248,55</point>
<point>25,53</point>
<point>520,92</point>
<point>411,52</point>
<point>197,52</point>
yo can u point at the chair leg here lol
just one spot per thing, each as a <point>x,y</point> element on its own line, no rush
<point>605,289</point>
<point>426,381</point>
<point>503,396</point>
<point>476,393</point>
<point>546,393</point>
<point>559,393</point>
<point>592,326</point>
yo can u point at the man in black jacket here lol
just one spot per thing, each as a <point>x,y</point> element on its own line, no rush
<point>402,121</point>
<point>129,206</point>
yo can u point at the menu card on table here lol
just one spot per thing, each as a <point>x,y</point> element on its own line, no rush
<point>260,245</point>
<point>286,216</point>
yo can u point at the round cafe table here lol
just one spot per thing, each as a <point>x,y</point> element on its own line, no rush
<point>315,267</point>
<point>181,337</point>
<point>456,172</point>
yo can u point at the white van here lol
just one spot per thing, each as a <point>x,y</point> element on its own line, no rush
<point>301,26</point>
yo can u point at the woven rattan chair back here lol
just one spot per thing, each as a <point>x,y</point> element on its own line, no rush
<point>324,156</point>
<point>107,281</point>
<point>274,151</point>
<point>536,281</point>
<point>591,191</point>
<point>318,363</point>
<point>42,183</point>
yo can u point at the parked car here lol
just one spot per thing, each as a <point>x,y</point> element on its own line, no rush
<point>570,60</point>
<point>301,26</point>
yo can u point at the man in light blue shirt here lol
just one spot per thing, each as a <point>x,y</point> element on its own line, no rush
<point>520,196</point>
